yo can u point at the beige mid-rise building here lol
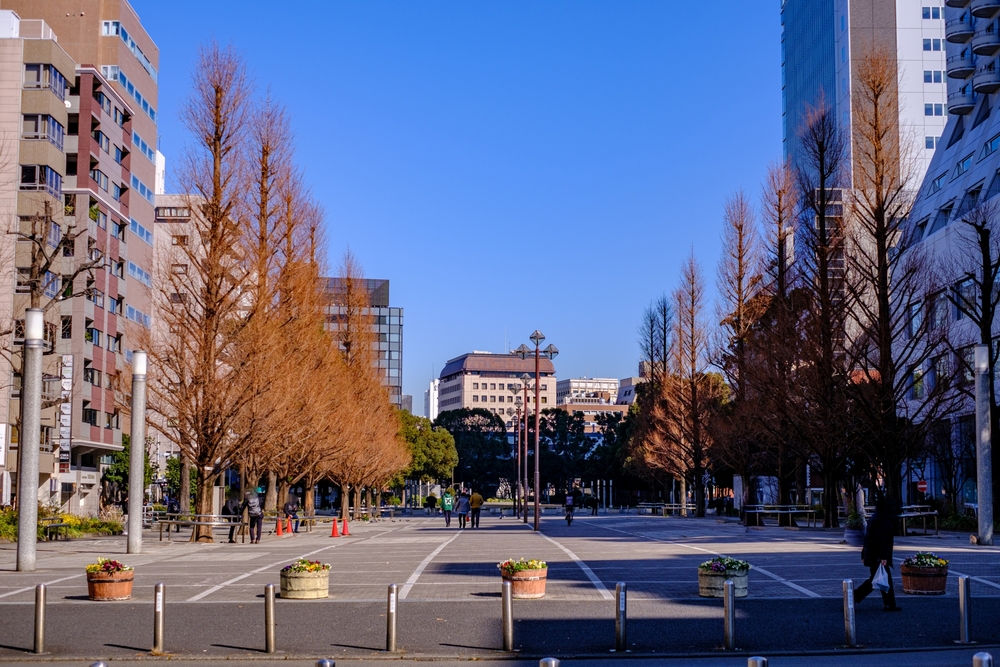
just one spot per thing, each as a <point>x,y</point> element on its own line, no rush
<point>485,380</point>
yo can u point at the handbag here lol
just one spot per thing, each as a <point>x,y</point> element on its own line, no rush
<point>881,579</point>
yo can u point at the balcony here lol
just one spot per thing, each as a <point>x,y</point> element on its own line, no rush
<point>986,43</point>
<point>956,3</point>
<point>986,80</point>
<point>985,8</point>
<point>959,31</point>
<point>960,66</point>
<point>961,102</point>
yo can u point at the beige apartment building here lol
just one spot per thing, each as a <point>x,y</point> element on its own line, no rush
<point>484,380</point>
<point>83,76</point>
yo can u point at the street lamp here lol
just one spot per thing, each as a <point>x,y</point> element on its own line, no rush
<point>984,473</point>
<point>526,383</point>
<point>30,439</point>
<point>515,390</point>
<point>550,352</point>
<point>137,453</point>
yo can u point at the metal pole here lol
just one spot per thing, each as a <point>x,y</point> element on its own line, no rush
<point>99,664</point>
<point>269,618</point>
<point>538,415</point>
<point>158,618</point>
<point>548,662</point>
<point>30,439</point>
<point>984,469</point>
<point>964,609</point>
<point>40,618</point>
<point>137,453</point>
<point>390,620</point>
<point>850,638</point>
<point>757,661</point>
<point>621,615</point>
<point>982,659</point>
<point>326,663</point>
<point>517,465</point>
<point>729,616</point>
<point>508,615</point>
<point>524,445</point>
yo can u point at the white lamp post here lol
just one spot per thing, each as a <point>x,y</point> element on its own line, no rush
<point>30,440</point>
<point>137,453</point>
<point>984,467</point>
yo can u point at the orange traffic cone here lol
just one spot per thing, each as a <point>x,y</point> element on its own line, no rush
<point>345,531</point>
<point>279,531</point>
<point>288,526</point>
<point>334,533</point>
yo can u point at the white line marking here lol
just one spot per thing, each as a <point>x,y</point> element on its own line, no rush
<point>586,570</point>
<point>423,564</point>
<point>47,583</point>
<point>800,589</point>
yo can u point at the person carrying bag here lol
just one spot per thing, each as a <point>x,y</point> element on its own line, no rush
<point>877,556</point>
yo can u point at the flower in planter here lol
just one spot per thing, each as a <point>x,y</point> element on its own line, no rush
<point>510,566</point>
<point>925,559</point>
<point>724,564</point>
<point>303,565</point>
<point>108,566</point>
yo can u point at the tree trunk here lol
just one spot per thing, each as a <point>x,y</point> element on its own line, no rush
<point>785,474</point>
<point>750,497</point>
<point>271,496</point>
<point>203,505</point>
<point>830,501</point>
<point>800,481</point>
<point>308,497</point>
<point>283,493</point>
<point>683,493</point>
<point>345,502</point>
<point>357,501</point>
<point>185,492</point>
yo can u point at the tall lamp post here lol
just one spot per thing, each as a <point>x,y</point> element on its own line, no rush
<point>30,439</point>
<point>984,473</point>
<point>550,352</point>
<point>515,390</point>
<point>137,453</point>
<point>526,383</point>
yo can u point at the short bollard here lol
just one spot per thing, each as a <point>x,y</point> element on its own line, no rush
<point>159,594</point>
<point>269,618</point>
<point>390,620</point>
<point>548,662</point>
<point>326,663</point>
<point>757,661</point>
<point>507,596</point>
<point>729,615</point>
<point>982,659</point>
<point>621,615</point>
<point>849,637</point>
<point>99,664</point>
<point>964,610</point>
<point>40,618</point>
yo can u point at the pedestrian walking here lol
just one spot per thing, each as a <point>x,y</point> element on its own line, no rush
<point>232,510</point>
<point>594,504</point>
<point>251,503</point>
<point>877,551</point>
<point>447,504</point>
<point>476,507</point>
<point>462,509</point>
<point>291,510</point>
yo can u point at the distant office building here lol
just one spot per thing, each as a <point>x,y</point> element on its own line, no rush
<point>408,403</point>
<point>485,380</point>
<point>387,325</point>
<point>823,41</point>
<point>431,400</point>
<point>626,390</point>
<point>596,388</point>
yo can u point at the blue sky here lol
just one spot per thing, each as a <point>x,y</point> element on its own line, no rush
<point>508,165</point>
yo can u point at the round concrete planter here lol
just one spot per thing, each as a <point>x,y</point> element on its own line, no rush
<point>712,584</point>
<point>106,586</point>
<point>924,580</point>
<point>527,584</point>
<point>305,585</point>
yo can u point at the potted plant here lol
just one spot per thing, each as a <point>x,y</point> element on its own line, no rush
<point>527,577</point>
<point>854,530</point>
<point>712,575</point>
<point>305,580</point>
<point>924,574</point>
<point>109,579</point>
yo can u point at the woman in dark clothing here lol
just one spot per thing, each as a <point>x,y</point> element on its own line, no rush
<point>878,551</point>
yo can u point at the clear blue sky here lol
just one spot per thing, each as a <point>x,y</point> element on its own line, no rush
<point>508,165</point>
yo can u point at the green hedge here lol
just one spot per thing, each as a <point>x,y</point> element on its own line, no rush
<point>79,526</point>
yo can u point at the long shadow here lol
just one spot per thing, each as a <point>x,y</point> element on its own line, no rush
<point>474,648</point>
<point>239,648</point>
<point>129,648</point>
<point>360,648</point>
<point>15,648</point>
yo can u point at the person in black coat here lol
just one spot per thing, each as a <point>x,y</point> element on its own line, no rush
<point>878,551</point>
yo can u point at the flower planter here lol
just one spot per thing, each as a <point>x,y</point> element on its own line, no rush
<point>104,586</point>
<point>305,585</point>
<point>527,584</point>
<point>924,580</point>
<point>712,584</point>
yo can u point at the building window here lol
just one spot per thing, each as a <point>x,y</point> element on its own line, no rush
<point>137,272</point>
<point>963,165</point>
<point>43,127</point>
<point>991,146</point>
<point>37,75</point>
<point>100,178</point>
<point>141,232</point>
<point>927,45</point>
<point>42,178</point>
<point>938,307</point>
<point>929,143</point>
<point>117,191</point>
<point>145,190</point>
<point>937,183</point>
<point>965,293</point>
<point>501,397</point>
<point>111,420</point>
<point>966,361</point>
<point>475,398</point>
<point>102,140</point>
<point>66,328</point>
<point>88,416</point>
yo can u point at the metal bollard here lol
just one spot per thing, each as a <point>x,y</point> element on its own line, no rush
<point>158,618</point>
<point>849,635</point>
<point>40,618</point>
<point>729,616</point>
<point>982,659</point>
<point>269,618</point>
<point>508,615</point>
<point>548,662</point>
<point>326,663</point>
<point>964,609</point>
<point>757,661</point>
<point>99,664</point>
<point>621,615</point>
<point>390,620</point>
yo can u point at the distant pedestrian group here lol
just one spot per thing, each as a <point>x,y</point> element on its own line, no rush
<point>468,506</point>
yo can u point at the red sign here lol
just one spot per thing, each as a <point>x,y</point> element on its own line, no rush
<point>922,486</point>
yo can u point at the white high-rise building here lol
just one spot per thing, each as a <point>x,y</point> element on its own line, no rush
<point>431,400</point>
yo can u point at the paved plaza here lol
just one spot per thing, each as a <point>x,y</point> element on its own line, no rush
<point>450,595</point>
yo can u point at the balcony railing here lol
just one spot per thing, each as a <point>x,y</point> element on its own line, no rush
<point>959,31</point>
<point>985,8</point>
<point>986,80</point>
<point>960,66</point>
<point>956,3</point>
<point>961,102</point>
<point>986,42</point>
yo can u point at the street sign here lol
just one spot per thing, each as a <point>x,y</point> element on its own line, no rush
<point>922,486</point>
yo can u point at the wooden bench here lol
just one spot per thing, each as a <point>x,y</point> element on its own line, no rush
<point>191,523</point>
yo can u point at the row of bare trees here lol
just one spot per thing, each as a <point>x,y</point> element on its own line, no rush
<point>255,362</point>
<point>830,349</point>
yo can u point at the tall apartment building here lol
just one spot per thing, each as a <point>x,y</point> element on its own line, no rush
<point>431,399</point>
<point>822,42</point>
<point>387,325</point>
<point>83,75</point>
<point>484,380</point>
